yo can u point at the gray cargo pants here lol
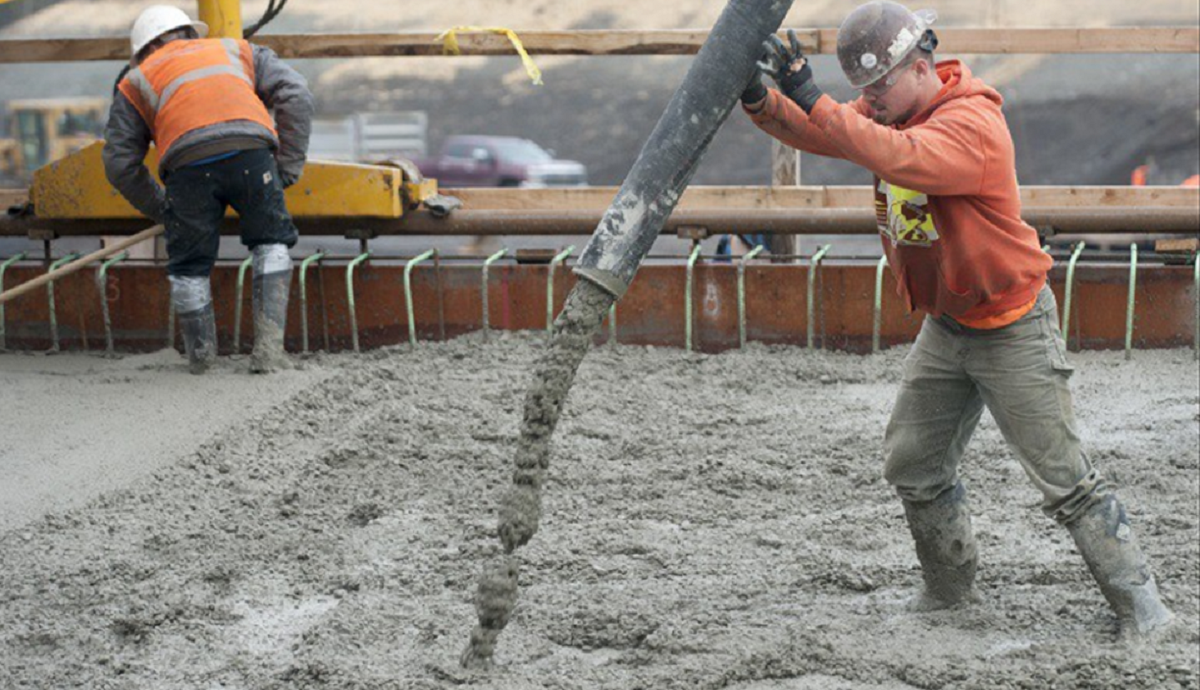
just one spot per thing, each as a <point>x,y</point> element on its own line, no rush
<point>1020,372</point>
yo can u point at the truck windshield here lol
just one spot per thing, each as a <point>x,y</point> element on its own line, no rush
<point>521,151</point>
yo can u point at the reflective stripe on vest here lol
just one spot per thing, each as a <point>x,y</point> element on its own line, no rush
<point>147,88</point>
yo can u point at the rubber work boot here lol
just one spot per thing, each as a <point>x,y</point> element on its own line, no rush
<point>941,529</point>
<point>192,298</point>
<point>1106,541</point>
<point>272,281</point>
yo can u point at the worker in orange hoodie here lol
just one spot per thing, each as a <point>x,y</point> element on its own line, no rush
<point>949,214</point>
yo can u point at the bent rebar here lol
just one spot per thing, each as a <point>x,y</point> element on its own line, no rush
<point>558,259</point>
<point>350,295</point>
<point>1133,260</point>
<point>1196,341</point>
<point>741,293</point>
<point>304,299</point>
<point>50,291</point>
<point>102,288</point>
<point>1069,291</point>
<point>484,287</point>
<point>237,304</point>
<point>877,322</point>
<point>687,296</point>
<point>408,302</point>
<point>814,266</point>
<point>4,267</point>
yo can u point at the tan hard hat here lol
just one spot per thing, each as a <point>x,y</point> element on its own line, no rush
<point>876,37</point>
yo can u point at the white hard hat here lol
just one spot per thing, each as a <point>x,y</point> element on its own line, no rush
<point>157,20</point>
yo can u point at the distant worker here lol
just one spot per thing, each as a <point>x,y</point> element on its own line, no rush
<point>207,106</point>
<point>949,212</point>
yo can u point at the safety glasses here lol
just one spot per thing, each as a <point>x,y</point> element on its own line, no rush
<point>885,83</point>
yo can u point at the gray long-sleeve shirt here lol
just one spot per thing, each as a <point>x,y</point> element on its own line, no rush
<point>127,136</point>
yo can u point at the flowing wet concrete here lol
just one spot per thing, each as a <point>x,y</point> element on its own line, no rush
<point>706,522</point>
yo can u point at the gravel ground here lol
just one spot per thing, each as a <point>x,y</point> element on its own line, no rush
<point>710,521</point>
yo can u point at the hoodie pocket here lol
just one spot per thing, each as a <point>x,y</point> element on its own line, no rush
<point>953,302</point>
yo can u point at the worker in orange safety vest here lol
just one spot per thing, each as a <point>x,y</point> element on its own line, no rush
<point>231,123</point>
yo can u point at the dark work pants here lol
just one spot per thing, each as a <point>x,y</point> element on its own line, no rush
<point>197,197</point>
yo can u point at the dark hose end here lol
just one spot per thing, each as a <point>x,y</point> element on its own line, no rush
<point>605,280</point>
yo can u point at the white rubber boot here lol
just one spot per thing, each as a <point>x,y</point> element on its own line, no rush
<point>272,281</point>
<point>192,298</point>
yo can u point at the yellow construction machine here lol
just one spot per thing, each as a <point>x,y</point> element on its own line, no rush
<point>46,130</point>
<point>68,186</point>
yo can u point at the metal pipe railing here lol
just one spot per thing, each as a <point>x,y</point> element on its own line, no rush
<point>102,288</point>
<point>1133,259</point>
<point>558,259</point>
<point>1067,220</point>
<point>487,263</point>
<point>408,301</point>
<point>877,320</point>
<point>350,295</point>
<point>687,296</point>
<point>4,267</point>
<point>1069,292</point>
<point>317,256</point>
<point>50,293</point>
<point>741,293</point>
<point>237,303</point>
<point>814,266</point>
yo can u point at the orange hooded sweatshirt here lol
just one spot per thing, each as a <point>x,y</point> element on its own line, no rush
<point>946,196</point>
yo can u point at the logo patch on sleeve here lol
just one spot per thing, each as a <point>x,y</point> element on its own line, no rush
<point>903,216</point>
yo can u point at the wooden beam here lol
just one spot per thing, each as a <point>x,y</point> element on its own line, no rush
<point>963,41</point>
<point>1033,197</point>
<point>12,197</point>
<point>1187,246</point>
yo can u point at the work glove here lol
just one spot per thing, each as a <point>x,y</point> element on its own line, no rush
<point>287,179</point>
<point>790,70</point>
<point>755,91</point>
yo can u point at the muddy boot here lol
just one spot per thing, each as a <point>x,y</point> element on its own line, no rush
<point>192,299</point>
<point>272,281</point>
<point>1106,542</point>
<point>945,545</point>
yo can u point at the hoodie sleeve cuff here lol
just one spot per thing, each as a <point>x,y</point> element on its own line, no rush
<point>822,111</point>
<point>770,110</point>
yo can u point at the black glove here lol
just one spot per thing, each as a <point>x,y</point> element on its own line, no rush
<point>287,179</point>
<point>790,70</point>
<point>755,91</point>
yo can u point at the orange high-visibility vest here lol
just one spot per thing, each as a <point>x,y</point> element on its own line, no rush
<point>190,84</point>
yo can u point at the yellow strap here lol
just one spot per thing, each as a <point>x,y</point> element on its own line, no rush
<point>449,39</point>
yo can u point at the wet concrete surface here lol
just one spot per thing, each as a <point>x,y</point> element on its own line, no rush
<point>707,522</point>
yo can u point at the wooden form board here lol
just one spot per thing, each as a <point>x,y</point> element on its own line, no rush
<point>593,198</point>
<point>962,41</point>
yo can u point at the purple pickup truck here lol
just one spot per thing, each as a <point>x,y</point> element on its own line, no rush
<point>487,161</point>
